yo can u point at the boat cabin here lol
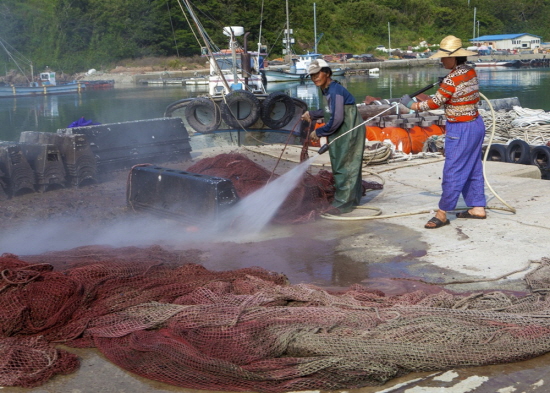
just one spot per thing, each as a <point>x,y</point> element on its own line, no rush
<point>240,67</point>
<point>48,78</point>
<point>303,61</point>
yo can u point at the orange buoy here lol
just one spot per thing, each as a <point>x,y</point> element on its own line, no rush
<point>374,133</point>
<point>418,137</point>
<point>434,129</point>
<point>400,138</point>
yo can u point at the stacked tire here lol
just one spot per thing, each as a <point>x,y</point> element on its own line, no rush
<point>497,152</point>
<point>520,152</point>
<point>540,156</point>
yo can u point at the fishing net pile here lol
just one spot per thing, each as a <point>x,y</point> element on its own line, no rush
<point>311,198</point>
<point>160,315</point>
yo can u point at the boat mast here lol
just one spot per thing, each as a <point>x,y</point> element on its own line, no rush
<point>288,35</point>
<point>260,39</point>
<point>20,56</point>
<point>474,36</point>
<point>206,42</point>
<point>315,28</point>
<point>389,42</point>
<point>233,46</point>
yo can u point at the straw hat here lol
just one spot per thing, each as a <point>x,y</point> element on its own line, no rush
<point>451,46</point>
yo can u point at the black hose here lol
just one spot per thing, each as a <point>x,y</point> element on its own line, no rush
<point>425,88</point>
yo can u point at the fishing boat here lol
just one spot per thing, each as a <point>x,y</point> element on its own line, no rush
<point>237,99</point>
<point>513,63</point>
<point>99,84</point>
<point>281,75</point>
<point>46,82</point>
<point>163,81</point>
<point>298,70</point>
<point>235,68</point>
<point>45,85</point>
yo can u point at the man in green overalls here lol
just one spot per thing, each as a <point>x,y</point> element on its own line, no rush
<point>346,151</point>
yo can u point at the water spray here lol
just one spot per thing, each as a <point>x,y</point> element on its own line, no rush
<point>326,146</point>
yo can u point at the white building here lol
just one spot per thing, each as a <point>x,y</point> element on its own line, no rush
<point>521,41</point>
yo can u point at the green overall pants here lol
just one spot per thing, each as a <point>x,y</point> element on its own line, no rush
<point>346,159</point>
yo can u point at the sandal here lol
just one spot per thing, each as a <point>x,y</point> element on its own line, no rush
<point>467,214</point>
<point>438,223</point>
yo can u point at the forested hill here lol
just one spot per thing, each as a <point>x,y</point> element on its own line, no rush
<point>75,35</point>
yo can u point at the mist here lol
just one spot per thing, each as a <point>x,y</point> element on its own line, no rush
<point>245,221</point>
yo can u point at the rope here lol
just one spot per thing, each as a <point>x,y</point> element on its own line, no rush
<point>376,153</point>
<point>282,152</point>
<point>510,208</point>
<point>265,153</point>
<point>526,266</point>
<point>376,216</point>
<point>530,125</point>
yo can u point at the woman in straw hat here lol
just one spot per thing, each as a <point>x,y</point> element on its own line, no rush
<point>458,94</point>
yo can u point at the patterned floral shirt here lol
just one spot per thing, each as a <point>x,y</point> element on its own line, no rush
<point>458,93</point>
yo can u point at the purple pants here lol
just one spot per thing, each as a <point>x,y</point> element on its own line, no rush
<point>463,170</point>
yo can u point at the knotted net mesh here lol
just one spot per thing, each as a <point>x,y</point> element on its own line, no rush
<point>160,315</point>
<point>310,199</point>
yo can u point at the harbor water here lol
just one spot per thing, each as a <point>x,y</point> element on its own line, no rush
<point>136,102</point>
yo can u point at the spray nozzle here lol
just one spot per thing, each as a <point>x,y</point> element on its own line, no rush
<point>323,149</point>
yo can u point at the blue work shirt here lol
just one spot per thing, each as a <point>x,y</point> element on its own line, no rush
<point>336,97</point>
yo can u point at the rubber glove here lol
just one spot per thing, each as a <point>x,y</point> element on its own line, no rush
<point>407,101</point>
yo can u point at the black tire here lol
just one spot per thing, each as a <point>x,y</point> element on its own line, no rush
<point>497,152</point>
<point>518,152</point>
<point>540,156</point>
<point>277,110</point>
<point>241,109</point>
<point>203,115</point>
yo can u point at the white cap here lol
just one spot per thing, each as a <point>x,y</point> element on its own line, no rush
<point>316,66</point>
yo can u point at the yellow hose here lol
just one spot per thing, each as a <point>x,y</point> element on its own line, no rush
<point>510,208</point>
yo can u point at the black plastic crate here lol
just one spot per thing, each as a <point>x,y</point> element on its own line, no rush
<point>78,160</point>
<point>121,145</point>
<point>17,175</point>
<point>47,164</point>
<point>178,194</point>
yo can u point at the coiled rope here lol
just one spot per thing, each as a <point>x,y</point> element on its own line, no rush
<point>530,125</point>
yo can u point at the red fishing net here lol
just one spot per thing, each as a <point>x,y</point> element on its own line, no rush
<point>306,202</point>
<point>162,315</point>
<point>157,314</point>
